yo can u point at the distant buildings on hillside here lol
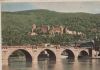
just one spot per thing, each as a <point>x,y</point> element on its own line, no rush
<point>53,30</point>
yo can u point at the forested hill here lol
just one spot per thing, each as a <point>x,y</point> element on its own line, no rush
<point>16,25</point>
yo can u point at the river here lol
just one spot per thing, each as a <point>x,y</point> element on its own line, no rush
<point>64,64</point>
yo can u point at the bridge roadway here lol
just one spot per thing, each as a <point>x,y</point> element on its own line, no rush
<point>34,51</point>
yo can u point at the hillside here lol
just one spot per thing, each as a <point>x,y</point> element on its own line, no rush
<point>17,25</point>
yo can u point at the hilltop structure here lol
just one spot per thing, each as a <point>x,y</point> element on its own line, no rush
<point>57,29</point>
<point>33,29</point>
<point>67,31</point>
<point>44,28</point>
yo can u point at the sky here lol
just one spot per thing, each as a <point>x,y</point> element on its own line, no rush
<point>77,6</point>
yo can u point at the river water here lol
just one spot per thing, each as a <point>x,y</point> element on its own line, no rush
<point>64,64</point>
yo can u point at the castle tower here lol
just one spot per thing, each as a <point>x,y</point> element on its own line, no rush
<point>61,29</point>
<point>33,28</point>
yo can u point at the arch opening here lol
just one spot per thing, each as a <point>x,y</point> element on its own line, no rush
<point>46,55</point>
<point>99,54</point>
<point>83,54</point>
<point>20,56</point>
<point>68,54</point>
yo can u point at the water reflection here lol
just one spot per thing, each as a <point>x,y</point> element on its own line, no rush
<point>46,65</point>
<point>64,64</point>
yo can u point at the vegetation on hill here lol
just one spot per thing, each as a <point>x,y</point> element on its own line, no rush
<point>17,25</point>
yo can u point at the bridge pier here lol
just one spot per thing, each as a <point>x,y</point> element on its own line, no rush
<point>76,54</point>
<point>4,57</point>
<point>4,61</point>
<point>58,55</point>
<point>35,60</point>
<point>58,59</point>
<point>76,58</point>
<point>94,54</point>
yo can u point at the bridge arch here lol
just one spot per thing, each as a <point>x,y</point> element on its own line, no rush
<point>69,53</point>
<point>47,53</point>
<point>28,55</point>
<point>83,54</point>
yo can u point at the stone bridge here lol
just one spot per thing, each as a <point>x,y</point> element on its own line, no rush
<point>32,52</point>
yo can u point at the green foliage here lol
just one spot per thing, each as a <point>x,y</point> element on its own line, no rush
<point>17,25</point>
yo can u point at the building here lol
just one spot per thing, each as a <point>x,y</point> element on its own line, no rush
<point>44,28</point>
<point>56,29</point>
<point>67,31</point>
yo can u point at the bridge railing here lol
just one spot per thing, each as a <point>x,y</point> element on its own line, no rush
<point>6,47</point>
<point>36,46</point>
<point>46,46</point>
<point>42,46</point>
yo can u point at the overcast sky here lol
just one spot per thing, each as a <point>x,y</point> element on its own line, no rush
<point>88,7</point>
